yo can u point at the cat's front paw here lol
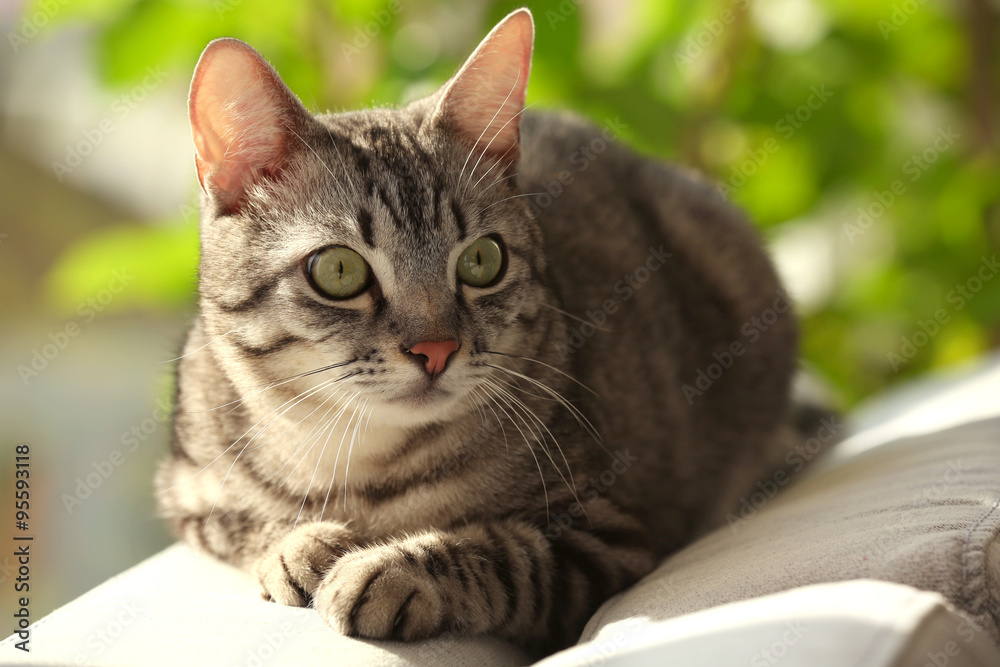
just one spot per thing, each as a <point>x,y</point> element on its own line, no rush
<point>291,570</point>
<point>382,592</point>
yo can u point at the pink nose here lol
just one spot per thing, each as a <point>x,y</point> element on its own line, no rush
<point>437,353</point>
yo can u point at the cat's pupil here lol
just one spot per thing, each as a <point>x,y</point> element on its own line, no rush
<point>479,258</point>
<point>340,270</point>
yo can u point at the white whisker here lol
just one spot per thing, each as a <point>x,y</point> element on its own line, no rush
<point>188,354</point>
<point>245,433</point>
<point>481,134</point>
<point>497,133</point>
<point>528,194</point>
<point>487,384</point>
<point>350,449</point>
<point>219,494</point>
<point>513,402</point>
<point>574,317</point>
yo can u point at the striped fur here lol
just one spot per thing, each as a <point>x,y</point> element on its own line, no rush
<point>311,451</point>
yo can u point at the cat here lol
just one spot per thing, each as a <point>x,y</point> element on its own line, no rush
<point>427,391</point>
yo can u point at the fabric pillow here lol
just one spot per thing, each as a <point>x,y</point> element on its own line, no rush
<point>922,511</point>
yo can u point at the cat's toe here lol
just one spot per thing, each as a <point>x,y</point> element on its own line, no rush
<point>381,593</point>
<point>278,584</point>
<point>292,569</point>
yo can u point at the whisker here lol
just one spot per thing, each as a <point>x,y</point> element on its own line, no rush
<point>513,384</point>
<point>305,496</point>
<point>574,317</point>
<point>333,475</point>
<point>314,410</point>
<point>481,134</point>
<point>581,419</point>
<point>503,431</point>
<point>493,166</point>
<point>497,134</point>
<point>473,398</point>
<point>235,442</point>
<point>528,194</point>
<point>337,182</point>
<point>233,464</point>
<point>278,383</point>
<point>486,387</point>
<point>526,418</point>
<point>481,155</point>
<point>571,483</point>
<point>188,354</point>
<point>350,449</point>
<point>552,368</point>
<point>498,180</point>
<point>325,165</point>
<point>305,441</point>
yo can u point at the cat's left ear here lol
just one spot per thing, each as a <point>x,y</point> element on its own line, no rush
<point>484,100</point>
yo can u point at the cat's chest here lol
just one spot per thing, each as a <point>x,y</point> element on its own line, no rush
<point>380,480</point>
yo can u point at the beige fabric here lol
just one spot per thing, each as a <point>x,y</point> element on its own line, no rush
<point>921,511</point>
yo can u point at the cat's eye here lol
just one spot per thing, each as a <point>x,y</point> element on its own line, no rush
<point>339,272</point>
<point>481,263</point>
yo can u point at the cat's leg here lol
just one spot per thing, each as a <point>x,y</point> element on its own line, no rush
<point>229,535</point>
<point>288,565</point>
<point>507,577</point>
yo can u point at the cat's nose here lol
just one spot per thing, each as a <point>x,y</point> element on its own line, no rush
<point>436,353</point>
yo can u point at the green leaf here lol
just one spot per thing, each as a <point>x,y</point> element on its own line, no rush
<point>130,266</point>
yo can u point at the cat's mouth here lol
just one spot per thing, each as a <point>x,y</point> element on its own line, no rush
<point>423,395</point>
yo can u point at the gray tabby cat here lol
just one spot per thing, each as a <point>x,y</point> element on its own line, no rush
<point>390,407</point>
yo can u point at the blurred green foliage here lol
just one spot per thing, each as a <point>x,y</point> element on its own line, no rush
<point>850,92</point>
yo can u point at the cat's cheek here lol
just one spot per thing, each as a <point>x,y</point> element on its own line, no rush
<point>379,594</point>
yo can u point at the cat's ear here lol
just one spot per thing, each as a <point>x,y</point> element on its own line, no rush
<point>484,100</point>
<point>242,118</point>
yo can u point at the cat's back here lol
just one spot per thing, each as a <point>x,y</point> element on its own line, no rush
<point>665,282</point>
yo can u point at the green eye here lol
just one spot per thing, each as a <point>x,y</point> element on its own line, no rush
<point>480,264</point>
<point>339,272</point>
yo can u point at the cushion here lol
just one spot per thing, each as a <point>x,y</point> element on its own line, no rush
<point>913,506</point>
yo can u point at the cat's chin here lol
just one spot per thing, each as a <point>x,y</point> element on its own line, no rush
<point>422,405</point>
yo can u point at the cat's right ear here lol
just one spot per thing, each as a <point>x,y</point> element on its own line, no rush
<point>243,118</point>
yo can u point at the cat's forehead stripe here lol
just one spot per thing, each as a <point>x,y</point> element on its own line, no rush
<point>459,216</point>
<point>363,219</point>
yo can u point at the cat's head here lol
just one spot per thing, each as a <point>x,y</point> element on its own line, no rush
<point>389,247</point>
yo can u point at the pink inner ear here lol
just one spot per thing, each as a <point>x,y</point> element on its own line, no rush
<point>485,99</point>
<point>239,111</point>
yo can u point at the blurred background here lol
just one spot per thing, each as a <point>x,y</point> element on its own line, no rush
<point>860,135</point>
